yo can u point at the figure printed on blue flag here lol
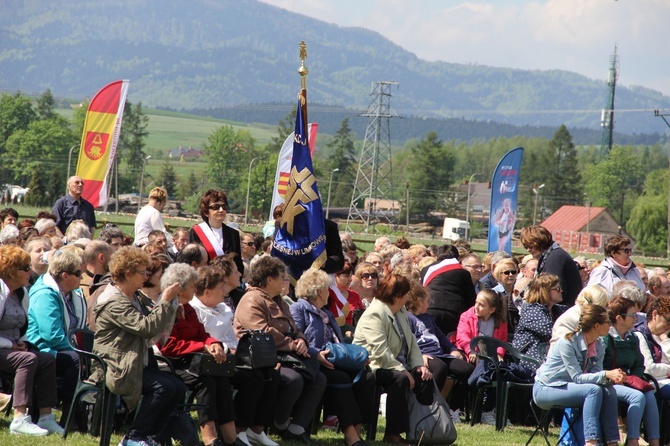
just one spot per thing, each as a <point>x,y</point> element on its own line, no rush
<point>504,219</point>
<point>504,201</point>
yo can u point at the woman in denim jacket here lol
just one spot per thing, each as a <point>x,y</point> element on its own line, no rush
<point>573,376</point>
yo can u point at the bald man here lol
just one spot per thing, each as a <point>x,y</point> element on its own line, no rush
<point>72,206</point>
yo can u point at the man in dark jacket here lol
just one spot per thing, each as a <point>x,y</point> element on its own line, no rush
<point>450,288</point>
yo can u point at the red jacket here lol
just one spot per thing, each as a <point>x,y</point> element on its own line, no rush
<point>468,329</point>
<point>188,336</point>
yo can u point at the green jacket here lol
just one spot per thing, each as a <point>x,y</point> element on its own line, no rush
<point>122,340</point>
<point>627,350</point>
<point>379,335</point>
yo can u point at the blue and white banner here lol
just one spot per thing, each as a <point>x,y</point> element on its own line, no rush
<point>300,241</point>
<point>504,201</point>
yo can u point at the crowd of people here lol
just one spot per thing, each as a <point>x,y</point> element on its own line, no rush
<point>592,325</point>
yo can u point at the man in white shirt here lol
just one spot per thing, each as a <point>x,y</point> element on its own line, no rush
<point>149,218</point>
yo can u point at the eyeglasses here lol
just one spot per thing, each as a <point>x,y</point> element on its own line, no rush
<point>667,321</point>
<point>217,206</point>
<point>250,244</point>
<point>557,288</point>
<point>25,268</point>
<point>77,273</point>
<point>626,250</point>
<point>141,271</point>
<point>510,272</point>
<point>630,315</point>
<point>475,267</point>
<point>607,322</point>
<point>365,276</point>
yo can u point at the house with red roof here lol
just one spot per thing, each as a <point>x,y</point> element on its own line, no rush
<point>582,228</point>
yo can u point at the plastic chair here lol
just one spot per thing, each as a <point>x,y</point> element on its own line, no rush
<point>485,347</point>
<point>101,423</point>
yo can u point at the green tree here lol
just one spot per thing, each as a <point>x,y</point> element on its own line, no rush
<point>228,153</point>
<point>562,177</point>
<point>37,194</point>
<point>167,178</point>
<point>189,187</point>
<point>648,224</point>
<point>45,143</point>
<point>16,113</point>
<point>615,182</point>
<point>430,172</point>
<point>46,105</point>
<point>132,141</point>
<point>343,158</point>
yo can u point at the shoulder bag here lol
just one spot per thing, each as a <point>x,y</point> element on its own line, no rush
<point>430,424</point>
<point>348,357</point>
<point>256,350</point>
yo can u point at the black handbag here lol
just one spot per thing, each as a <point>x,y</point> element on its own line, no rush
<point>256,350</point>
<point>203,364</point>
<point>307,367</point>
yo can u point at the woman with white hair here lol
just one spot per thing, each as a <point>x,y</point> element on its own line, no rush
<point>568,322</point>
<point>78,229</point>
<point>353,405</point>
<point>189,336</point>
<point>46,226</point>
<point>57,306</point>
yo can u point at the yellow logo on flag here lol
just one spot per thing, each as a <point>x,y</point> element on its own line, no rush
<point>95,145</point>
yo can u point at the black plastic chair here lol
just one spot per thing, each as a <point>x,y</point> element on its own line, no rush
<point>485,347</point>
<point>101,422</point>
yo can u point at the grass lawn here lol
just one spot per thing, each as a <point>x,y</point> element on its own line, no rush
<point>479,435</point>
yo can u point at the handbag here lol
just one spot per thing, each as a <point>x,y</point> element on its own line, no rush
<point>637,383</point>
<point>632,381</point>
<point>308,367</point>
<point>348,357</point>
<point>432,423</point>
<point>204,364</point>
<point>256,350</point>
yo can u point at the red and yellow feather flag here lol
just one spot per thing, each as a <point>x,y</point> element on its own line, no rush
<point>99,140</point>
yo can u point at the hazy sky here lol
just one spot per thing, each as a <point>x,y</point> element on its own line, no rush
<point>573,35</point>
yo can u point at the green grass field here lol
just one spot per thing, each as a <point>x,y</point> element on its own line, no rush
<point>478,435</point>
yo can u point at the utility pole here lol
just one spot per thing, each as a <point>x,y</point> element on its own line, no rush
<point>607,116</point>
<point>663,116</point>
<point>374,185</point>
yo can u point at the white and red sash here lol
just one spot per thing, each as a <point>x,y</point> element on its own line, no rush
<point>208,240</point>
<point>337,303</point>
<point>439,268</point>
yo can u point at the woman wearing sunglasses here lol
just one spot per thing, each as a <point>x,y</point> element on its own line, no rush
<point>505,274</point>
<point>617,266</point>
<point>217,238</point>
<point>368,274</point>
<point>57,306</point>
<point>538,313</point>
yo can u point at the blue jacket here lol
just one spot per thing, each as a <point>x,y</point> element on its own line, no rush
<point>567,362</point>
<point>308,320</point>
<point>432,341</point>
<point>48,321</point>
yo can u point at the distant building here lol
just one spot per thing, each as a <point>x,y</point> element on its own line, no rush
<point>582,228</point>
<point>181,153</point>
<point>480,199</point>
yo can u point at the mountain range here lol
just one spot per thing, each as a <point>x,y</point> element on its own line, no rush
<point>202,54</point>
